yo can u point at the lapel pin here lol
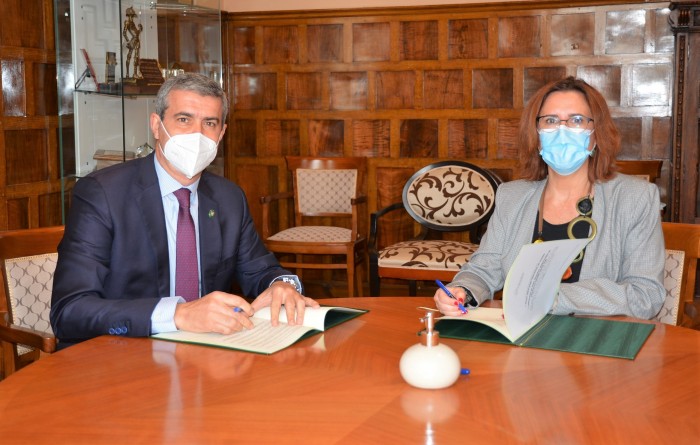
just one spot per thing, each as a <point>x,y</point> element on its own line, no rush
<point>212,213</point>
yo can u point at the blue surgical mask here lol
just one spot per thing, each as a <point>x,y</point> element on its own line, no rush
<point>565,149</point>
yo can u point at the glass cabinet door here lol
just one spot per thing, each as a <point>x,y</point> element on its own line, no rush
<point>111,57</point>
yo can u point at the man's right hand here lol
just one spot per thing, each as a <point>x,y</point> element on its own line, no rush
<point>214,312</point>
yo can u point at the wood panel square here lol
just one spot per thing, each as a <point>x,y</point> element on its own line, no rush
<point>508,138</point>
<point>303,91</point>
<point>282,137</point>
<point>419,138</point>
<point>22,23</point>
<point>18,213</point>
<point>624,31</point>
<point>243,45</point>
<point>257,181</point>
<point>536,78</point>
<point>45,91</point>
<point>467,138</point>
<point>606,79</point>
<point>492,88</point>
<point>281,44</point>
<point>468,39</point>
<point>519,36</point>
<point>14,99</point>
<point>395,226</point>
<point>371,138</point>
<point>26,156</point>
<point>631,134</point>
<point>395,89</point>
<point>419,40</point>
<point>663,36</point>
<point>660,138</point>
<point>348,91</point>
<point>244,138</point>
<point>443,89</point>
<point>50,210</point>
<point>649,85</point>
<point>326,137</point>
<point>255,91</point>
<point>572,34</point>
<point>325,43</point>
<point>66,134</point>
<point>370,42</point>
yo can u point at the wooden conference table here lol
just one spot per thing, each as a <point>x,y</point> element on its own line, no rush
<point>344,387</point>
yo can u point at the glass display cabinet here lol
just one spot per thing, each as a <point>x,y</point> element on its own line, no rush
<point>111,58</point>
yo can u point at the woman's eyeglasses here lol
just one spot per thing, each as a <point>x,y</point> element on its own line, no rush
<point>549,123</point>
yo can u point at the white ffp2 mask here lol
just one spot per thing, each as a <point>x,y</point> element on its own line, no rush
<point>189,153</point>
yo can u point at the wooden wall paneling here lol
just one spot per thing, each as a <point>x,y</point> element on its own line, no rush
<point>409,86</point>
<point>685,196</point>
<point>30,188</point>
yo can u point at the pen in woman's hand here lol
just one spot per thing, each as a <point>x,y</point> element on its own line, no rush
<point>449,294</point>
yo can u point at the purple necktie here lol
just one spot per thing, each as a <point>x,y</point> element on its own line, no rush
<point>186,275</point>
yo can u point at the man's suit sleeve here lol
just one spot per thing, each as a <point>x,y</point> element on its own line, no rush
<point>81,306</point>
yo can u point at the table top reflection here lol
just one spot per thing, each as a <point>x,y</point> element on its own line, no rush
<point>344,386</point>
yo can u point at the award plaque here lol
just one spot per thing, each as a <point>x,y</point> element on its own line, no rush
<point>151,76</point>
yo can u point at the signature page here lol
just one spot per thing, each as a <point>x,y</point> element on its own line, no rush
<point>533,281</point>
<point>313,318</point>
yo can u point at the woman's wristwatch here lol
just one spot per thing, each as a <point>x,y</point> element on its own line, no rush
<point>471,301</point>
<point>291,279</point>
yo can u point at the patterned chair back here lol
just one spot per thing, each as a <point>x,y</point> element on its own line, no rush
<point>450,195</point>
<point>29,285</point>
<point>27,263</point>
<point>325,192</point>
<point>673,277</point>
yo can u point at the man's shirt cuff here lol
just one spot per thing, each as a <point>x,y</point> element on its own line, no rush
<point>163,316</point>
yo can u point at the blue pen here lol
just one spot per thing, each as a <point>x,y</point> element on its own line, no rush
<point>449,294</point>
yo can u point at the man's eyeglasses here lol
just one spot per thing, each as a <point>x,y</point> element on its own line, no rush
<point>550,123</point>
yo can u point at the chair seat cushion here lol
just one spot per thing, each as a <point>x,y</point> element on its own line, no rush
<point>314,234</point>
<point>436,254</point>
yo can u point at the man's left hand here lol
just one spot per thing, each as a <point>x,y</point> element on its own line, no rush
<point>281,293</point>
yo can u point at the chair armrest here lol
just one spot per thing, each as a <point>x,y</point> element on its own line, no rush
<point>374,223</point>
<point>358,200</point>
<point>20,335</point>
<point>265,204</point>
<point>264,200</point>
<point>354,203</point>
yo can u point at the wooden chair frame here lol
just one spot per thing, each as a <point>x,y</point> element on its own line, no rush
<point>647,169</point>
<point>354,251</point>
<point>685,237</point>
<point>16,244</point>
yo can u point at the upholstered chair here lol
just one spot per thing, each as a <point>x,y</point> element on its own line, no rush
<point>447,196</point>
<point>328,189</point>
<point>28,261</point>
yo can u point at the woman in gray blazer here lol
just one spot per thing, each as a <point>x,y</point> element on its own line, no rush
<point>568,144</point>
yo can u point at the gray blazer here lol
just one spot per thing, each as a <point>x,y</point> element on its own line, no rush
<point>622,271</point>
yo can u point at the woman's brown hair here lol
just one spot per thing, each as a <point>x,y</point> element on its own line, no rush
<point>602,163</point>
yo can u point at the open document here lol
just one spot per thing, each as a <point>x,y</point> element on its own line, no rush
<point>265,338</point>
<point>529,291</point>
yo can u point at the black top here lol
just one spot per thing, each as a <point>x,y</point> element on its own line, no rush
<point>552,232</point>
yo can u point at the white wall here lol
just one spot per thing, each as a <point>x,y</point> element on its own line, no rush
<point>284,5</point>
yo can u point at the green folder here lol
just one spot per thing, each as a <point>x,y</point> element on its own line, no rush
<point>609,338</point>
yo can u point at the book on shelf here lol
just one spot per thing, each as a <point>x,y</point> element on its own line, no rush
<point>90,68</point>
<point>265,338</point>
<point>529,291</point>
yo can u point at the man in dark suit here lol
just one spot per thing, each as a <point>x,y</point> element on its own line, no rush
<point>117,263</point>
